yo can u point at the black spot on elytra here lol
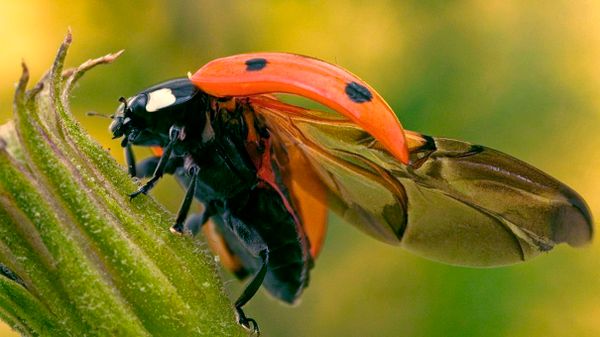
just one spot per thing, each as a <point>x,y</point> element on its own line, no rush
<point>255,64</point>
<point>358,93</point>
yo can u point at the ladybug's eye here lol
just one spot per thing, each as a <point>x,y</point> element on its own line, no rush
<point>120,119</point>
<point>116,127</point>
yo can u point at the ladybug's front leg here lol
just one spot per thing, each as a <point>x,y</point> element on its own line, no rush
<point>146,168</point>
<point>130,160</point>
<point>174,137</point>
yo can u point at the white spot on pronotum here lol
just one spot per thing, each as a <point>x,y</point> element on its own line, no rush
<point>159,99</point>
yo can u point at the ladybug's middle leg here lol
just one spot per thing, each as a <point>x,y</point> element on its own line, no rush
<point>194,223</point>
<point>192,171</point>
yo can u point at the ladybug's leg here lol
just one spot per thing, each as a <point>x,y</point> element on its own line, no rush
<point>257,247</point>
<point>184,209</point>
<point>249,292</point>
<point>130,160</point>
<point>194,222</point>
<point>174,133</point>
<point>146,167</point>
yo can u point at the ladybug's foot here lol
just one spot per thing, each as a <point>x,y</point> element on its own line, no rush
<point>248,323</point>
<point>144,189</point>
<point>250,290</point>
<point>136,193</point>
<point>177,229</point>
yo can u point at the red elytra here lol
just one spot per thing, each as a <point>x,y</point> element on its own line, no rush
<point>330,85</point>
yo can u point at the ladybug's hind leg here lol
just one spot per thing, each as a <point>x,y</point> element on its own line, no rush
<point>250,291</point>
<point>257,247</point>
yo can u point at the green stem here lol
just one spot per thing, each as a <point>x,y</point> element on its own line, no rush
<point>91,262</point>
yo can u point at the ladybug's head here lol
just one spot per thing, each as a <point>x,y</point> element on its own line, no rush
<point>128,121</point>
<point>120,121</point>
<point>144,119</point>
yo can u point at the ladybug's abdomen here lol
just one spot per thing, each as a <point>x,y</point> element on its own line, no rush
<point>289,258</point>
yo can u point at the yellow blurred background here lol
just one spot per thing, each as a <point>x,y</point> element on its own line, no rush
<point>519,76</point>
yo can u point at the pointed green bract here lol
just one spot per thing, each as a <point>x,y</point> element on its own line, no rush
<point>89,261</point>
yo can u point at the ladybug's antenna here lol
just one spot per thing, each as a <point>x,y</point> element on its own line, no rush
<point>125,106</point>
<point>124,101</point>
<point>97,114</point>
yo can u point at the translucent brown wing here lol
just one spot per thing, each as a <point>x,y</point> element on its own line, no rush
<point>456,203</point>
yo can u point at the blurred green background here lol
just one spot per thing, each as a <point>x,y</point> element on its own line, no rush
<point>519,76</point>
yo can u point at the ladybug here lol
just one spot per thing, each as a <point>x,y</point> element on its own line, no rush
<point>266,173</point>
